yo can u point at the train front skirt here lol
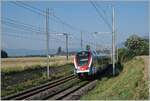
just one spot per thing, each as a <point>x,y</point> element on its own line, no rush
<point>90,71</point>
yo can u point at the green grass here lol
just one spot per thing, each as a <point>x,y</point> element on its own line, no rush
<point>128,85</point>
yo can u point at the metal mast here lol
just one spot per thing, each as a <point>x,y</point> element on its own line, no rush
<point>81,42</point>
<point>67,45</point>
<point>113,39</point>
<point>66,35</point>
<point>47,39</point>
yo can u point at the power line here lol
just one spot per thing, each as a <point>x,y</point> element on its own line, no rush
<point>23,26</point>
<point>18,30</point>
<point>29,37</point>
<point>103,10</point>
<point>28,29</point>
<point>17,26</point>
<point>24,29</point>
<point>58,18</point>
<point>22,23</point>
<point>27,7</point>
<point>99,13</point>
<point>19,36</point>
<point>41,12</point>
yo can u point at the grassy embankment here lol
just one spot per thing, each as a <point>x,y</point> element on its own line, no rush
<point>30,72</point>
<point>130,84</point>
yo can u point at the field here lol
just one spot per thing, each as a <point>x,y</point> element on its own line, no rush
<point>130,84</point>
<point>20,64</point>
<point>18,74</point>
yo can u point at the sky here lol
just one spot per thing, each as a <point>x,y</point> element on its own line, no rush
<point>130,18</point>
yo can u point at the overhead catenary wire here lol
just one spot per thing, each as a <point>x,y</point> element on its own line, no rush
<point>59,20</point>
<point>25,28</point>
<point>19,29</point>
<point>55,17</point>
<point>104,11</point>
<point>22,28</point>
<point>43,13</point>
<point>33,27</point>
<point>32,38</point>
<point>100,15</point>
<point>29,7</point>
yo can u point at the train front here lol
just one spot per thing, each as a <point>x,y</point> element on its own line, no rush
<point>82,63</point>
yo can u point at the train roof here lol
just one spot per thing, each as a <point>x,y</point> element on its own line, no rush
<point>94,53</point>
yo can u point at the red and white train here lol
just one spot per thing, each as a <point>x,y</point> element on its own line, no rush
<point>87,63</point>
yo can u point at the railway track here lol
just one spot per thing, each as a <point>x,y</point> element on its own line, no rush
<point>34,90</point>
<point>63,88</point>
<point>74,92</point>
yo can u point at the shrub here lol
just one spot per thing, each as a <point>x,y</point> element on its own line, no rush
<point>124,55</point>
<point>4,54</point>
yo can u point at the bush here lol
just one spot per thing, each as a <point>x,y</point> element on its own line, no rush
<point>124,55</point>
<point>137,45</point>
<point>134,46</point>
<point>4,54</point>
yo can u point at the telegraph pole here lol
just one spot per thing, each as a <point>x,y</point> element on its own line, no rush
<point>116,47</point>
<point>81,42</point>
<point>66,45</point>
<point>47,39</point>
<point>113,39</point>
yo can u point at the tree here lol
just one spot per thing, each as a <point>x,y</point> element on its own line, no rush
<point>124,55</point>
<point>88,47</point>
<point>137,45</point>
<point>4,54</point>
<point>59,50</point>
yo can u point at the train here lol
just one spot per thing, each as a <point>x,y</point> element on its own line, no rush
<point>88,63</point>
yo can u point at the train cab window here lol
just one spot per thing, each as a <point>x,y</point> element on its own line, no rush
<point>82,58</point>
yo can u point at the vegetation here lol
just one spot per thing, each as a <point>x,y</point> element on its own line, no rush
<point>131,84</point>
<point>88,47</point>
<point>13,82</point>
<point>21,64</point>
<point>124,55</point>
<point>137,45</point>
<point>59,50</point>
<point>134,46</point>
<point>4,54</point>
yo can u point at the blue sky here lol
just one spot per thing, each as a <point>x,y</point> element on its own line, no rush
<point>131,18</point>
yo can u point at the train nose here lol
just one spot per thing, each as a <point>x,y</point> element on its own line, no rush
<point>82,68</point>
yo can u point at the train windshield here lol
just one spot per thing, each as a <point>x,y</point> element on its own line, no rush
<point>82,58</point>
